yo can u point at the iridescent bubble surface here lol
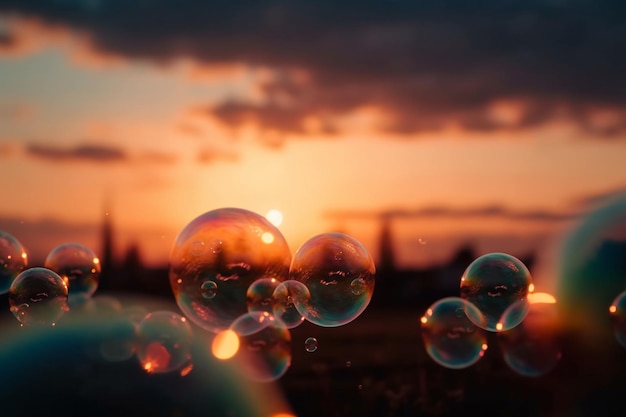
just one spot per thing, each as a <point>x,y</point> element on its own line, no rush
<point>232,248</point>
<point>259,294</point>
<point>617,310</point>
<point>264,353</point>
<point>328,264</point>
<point>532,348</point>
<point>286,295</point>
<point>38,296</point>
<point>492,283</point>
<point>79,267</point>
<point>163,342</point>
<point>451,339</point>
<point>13,260</point>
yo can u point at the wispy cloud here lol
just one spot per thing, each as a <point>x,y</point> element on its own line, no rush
<point>485,66</point>
<point>84,152</point>
<point>450,212</point>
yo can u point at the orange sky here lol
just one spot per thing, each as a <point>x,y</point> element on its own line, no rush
<point>84,130</point>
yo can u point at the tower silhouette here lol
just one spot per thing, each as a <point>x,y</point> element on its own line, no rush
<point>386,255</point>
<point>107,258</point>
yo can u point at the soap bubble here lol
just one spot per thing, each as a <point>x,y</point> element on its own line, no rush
<point>264,353</point>
<point>591,271</point>
<point>47,372</point>
<point>38,296</point>
<point>451,339</point>
<point>310,344</point>
<point>259,295</point>
<point>532,348</point>
<point>79,267</point>
<point>617,309</point>
<point>231,248</point>
<point>13,260</point>
<point>163,343</point>
<point>328,264</point>
<point>286,295</point>
<point>492,283</point>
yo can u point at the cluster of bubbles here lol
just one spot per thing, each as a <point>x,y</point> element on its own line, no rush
<point>232,274</point>
<point>496,295</point>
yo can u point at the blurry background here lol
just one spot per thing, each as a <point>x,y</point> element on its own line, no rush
<point>432,132</point>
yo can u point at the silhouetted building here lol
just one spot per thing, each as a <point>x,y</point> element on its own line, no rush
<point>386,255</point>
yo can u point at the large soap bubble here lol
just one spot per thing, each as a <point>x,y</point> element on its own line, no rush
<point>339,273</point>
<point>215,259</point>
<point>13,260</point>
<point>492,283</point>
<point>450,338</point>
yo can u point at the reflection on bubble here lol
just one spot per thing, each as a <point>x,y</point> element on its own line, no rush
<point>328,264</point>
<point>38,296</point>
<point>532,348</point>
<point>310,344</point>
<point>259,295</point>
<point>79,267</point>
<point>285,297</point>
<point>264,353</point>
<point>617,309</point>
<point>492,283</point>
<point>13,260</point>
<point>236,253</point>
<point>450,338</point>
<point>163,342</point>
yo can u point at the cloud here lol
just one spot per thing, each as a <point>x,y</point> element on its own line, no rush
<point>84,152</point>
<point>426,65</point>
<point>210,155</point>
<point>449,212</point>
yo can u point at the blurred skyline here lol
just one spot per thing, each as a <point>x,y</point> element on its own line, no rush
<point>490,123</point>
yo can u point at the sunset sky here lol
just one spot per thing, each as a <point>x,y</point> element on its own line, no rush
<point>488,122</point>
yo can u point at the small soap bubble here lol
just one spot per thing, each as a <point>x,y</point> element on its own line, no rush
<point>208,289</point>
<point>239,253</point>
<point>328,264</point>
<point>492,283</point>
<point>13,260</point>
<point>532,348</point>
<point>357,286</point>
<point>38,296</point>
<point>260,293</point>
<point>285,297</point>
<point>348,364</point>
<point>264,353</point>
<point>617,310</point>
<point>79,267</point>
<point>310,344</point>
<point>452,339</point>
<point>164,342</point>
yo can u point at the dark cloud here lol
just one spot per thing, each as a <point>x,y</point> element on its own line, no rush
<point>427,64</point>
<point>86,152</point>
<point>449,212</point>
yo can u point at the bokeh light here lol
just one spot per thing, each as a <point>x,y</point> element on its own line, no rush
<point>450,337</point>
<point>215,259</point>
<point>492,283</point>
<point>617,310</point>
<point>328,264</point>
<point>225,344</point>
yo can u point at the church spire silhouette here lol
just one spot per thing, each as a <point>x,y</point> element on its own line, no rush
<point>107,259</point>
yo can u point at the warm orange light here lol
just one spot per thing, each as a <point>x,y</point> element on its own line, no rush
<point>148,367</point>
<point>267,237</point>
<point>225,345</point>
<point>284,415</point>
<point>499,326</point>
<point>541,297</point>
<point>185,371</point>
<point>484,346</point>
<point>275,217</point>
<point>613,309</point>
<point>531,287</point>
<point>424,320</point>
<point>96,260</point>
